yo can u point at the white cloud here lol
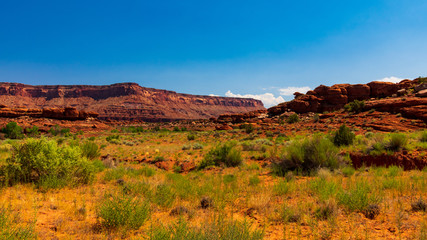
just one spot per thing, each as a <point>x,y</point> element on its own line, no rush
<point>289,91</point>
<point>213,95</point>
<point>267,98</point>
<point>390,79</point>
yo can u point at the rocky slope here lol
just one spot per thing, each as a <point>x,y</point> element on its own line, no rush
<point>124,101</point>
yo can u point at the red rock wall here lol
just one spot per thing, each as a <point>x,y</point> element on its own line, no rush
<point>124,101</point>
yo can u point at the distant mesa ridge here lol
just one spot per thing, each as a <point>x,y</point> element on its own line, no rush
<point>124,101</point>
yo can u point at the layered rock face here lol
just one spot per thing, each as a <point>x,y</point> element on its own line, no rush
<point>324,98</point>
<point>68,113</point>
<point>124,101</point>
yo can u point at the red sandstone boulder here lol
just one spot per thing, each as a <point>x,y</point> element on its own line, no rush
<point>358,92</point>
<point>382,89</point>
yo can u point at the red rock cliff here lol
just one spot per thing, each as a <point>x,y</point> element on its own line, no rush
<point>124,101</point>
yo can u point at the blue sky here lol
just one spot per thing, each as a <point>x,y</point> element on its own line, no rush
<point>263,49</point>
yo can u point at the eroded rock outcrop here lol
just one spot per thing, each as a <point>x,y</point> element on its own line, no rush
<point>53,113</point>
<point>324,98</point>
<point>122,101</point>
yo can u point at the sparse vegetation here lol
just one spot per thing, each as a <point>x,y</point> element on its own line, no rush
<point>225,154</point>
<point>356,106</point>
<point>294,118</point>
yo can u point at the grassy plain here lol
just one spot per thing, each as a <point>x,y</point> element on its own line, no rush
<point>132,196</point>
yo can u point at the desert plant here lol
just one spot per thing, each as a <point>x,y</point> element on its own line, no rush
<point>356,106</point>
<point>33,132</point>
<point>224,154</point>
<point>197,146</point>
<point>358,197</point>
<point>13,131</point>
<point>419,205</point>
<point>122,211</point>
<point>90,150</point>
<point>396,142</point>
<point>343,136</point>
<point>326,210</point>
<point>423,137</point>
<point>293,118</point>
<point>308,155</point>
<point>35,160</point>
<point>191,137</point>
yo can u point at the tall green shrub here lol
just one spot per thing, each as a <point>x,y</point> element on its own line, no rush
<point>343,136</point>
<point>224,154</point>
<point>308,155</point>
<point>13,131</point>
<point>40,160</point>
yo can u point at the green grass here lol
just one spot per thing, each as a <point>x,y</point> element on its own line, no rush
<point>122,211</point>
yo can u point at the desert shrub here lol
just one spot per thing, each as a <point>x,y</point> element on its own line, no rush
<point>324,189</point>
<point>358,197</point>
<point>33,132</point>
<point>176,129</point>
<point>256,145</point>
<point>224,154</point>
<point>112,137</point>
<point>217,229</point>
<point>254,180</point>
<point>396,142</point>
<point>57,130</point>
<point>90,150</point>
<point>419,205</point>
<point>348,171</point>
<point>191,137</point>
<point>371,211</point>
<point>186,147</point>
<point>133,129</point>
<point>13,131</point>
<point>36,160</point>
<point>291,214</point>
<point>423,137</point>
<point>249,128</point>
<point>316,117</point>
<point>356,106</point>
<point>293,118</point>
<point>343,136</point>
<point>197,146</point>
<point>159,159</point>
<point>11,228</point>
<point>308,155</point>
<point>326,210</point>
<point>122,211</point>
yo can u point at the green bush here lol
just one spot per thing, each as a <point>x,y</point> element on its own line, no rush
<point>13,131</point>
<point>423,137</point>
<point>33,132</point>
<point>308,155</point>
<point>112,137</point>
<point>57,130</point>
<point>224,154</point>
<point>90,150</point>
<point>343,136</point>
<point>191,137</point>
<point>40,160</point>
<point>396,142</point>
<point>294,118</point>
<point>122,211</point>
<point>12,229</point>
<point>356,106</point>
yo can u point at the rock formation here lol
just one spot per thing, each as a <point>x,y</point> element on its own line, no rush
<point>324,98</point>
<point>68,113</point>
<point>122,101</point>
